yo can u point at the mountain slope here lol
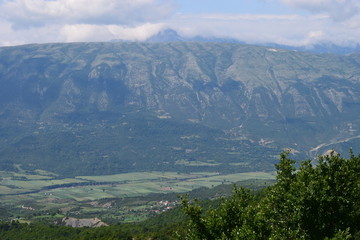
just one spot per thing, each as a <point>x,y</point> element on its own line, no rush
<point>96,108</point>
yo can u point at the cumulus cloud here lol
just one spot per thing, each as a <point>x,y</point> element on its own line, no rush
<point>86,32</point>
<point>76,33</point>
<point>339,10</point>
<point>40,21</point>
<point>30,13</point>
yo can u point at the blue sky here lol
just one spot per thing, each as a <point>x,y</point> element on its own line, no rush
<point>232,6</point>
<point>289,22</point>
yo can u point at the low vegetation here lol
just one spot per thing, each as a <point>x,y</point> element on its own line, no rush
<point>127,197</point>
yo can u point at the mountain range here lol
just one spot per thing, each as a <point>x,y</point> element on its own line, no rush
<point>170,35</point>
<point>103,108</point>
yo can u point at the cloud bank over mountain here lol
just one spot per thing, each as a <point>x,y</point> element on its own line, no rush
<point>304,23</point>
<point>90,20</point>
<point>338,10</point>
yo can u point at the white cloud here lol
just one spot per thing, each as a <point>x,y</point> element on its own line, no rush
<point>40,21</point>
<point>339,10</point>
<point>293,30</point>
<point>28,13</point>
<point>76,33</point>
<point>86,32</point>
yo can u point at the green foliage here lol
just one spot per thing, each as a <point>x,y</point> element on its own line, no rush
<point>229,221</point>
<point>163,226</point>
<point>314,202</point>
<point>131,144</point>
<point>341,235</point>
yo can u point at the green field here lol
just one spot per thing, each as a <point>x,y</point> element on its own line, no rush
<point>30,196</point>
<point>118,185</point>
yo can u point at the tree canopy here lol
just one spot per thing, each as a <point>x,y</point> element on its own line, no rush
<point>315,201</point>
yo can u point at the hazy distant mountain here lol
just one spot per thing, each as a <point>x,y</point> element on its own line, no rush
<point>321,48</point>
<point>98,108</point>
<point>169,35</point>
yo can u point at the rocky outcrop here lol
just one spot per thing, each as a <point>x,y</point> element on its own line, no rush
<point>85,222</point>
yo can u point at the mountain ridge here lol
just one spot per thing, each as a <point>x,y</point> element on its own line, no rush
<point>170,35</point>
<point>117,107</point>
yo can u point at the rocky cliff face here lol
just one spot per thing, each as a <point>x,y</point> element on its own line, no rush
<point>271,97</point>
<point>85,222</point>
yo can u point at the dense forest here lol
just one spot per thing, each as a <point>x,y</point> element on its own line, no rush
<point>313,201</point>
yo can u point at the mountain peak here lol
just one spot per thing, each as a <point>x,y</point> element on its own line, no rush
<point>167,35</point>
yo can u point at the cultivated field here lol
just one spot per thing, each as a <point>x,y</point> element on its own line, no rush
<point>118,197</point>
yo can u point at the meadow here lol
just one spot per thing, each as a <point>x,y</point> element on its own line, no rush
<point>118,197</point>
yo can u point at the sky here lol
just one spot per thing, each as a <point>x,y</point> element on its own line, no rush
<point>287,22</point>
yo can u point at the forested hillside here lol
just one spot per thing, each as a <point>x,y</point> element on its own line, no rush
<point>104,108</point>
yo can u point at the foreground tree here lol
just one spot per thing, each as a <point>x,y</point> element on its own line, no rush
<point>319,201</point>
